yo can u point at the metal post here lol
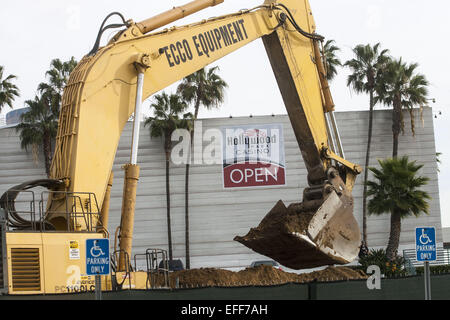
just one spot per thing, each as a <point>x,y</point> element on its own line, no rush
<point>98,287</point>
<point>175,14</point>
<point>137,118</point>
<point>337,136</point>
<point>426,273</point>
<point>127,216</point>
<point>330,133</point>
<point>131,175</point>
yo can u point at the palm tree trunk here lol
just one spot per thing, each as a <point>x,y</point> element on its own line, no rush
<point>186,194</point>
<point>186,217</point>
<point>394,236</point>
<point>196,109</point>
<point>186,207</point>
<point>47,148</point>
<point>169,228</point>
<point>395,145</point>
<point>366,172</point>
<point>396,126</point>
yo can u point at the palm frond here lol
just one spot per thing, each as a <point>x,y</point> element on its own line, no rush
<point>8,90</point>
<point>396,187</point>
<point>203,88</point>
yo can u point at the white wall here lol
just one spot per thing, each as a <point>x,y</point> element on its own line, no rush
<point>446,235</point>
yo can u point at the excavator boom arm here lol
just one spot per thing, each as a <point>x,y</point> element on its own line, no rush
<point>100,95</point>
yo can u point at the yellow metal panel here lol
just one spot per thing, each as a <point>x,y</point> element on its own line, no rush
<point>140,280</point>
<point>63,272</point>
<point>62,260</point>
<point>132,280</point>
<point>23,239</point>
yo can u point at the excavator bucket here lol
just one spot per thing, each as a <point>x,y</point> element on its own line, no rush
<point>301,236</point>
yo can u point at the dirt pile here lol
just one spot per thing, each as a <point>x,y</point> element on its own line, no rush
<point>259,276</point>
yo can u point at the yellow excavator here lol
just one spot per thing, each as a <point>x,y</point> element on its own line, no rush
<point>46,253</point>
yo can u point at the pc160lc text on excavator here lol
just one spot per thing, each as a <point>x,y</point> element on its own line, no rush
<point>109,85</point>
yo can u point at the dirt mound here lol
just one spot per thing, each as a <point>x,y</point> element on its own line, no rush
<point>261,275</point>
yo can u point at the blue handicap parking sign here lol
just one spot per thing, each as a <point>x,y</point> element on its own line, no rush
<point>97,257</point>
<point>425,244</point>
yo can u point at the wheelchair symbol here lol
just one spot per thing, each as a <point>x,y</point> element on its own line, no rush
<point>96,251</point>
<point>424,239</point>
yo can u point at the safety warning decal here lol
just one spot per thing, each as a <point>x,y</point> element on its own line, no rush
<point>74,250</point>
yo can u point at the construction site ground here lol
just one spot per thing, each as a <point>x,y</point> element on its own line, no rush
<point>258,276</point>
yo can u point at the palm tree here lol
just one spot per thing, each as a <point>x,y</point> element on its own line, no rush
<point>166,119</point>
<point>38,127</point>
<point>8,90</point>
<point>331,60</point>
<point>396,190</point>
<point>202,88</point>
<point>40,124</point>
<point>58,76</point>
<point>367,67</point>
<point>402,89</point>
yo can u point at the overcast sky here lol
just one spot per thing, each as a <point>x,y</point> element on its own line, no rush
<point>32,33</point>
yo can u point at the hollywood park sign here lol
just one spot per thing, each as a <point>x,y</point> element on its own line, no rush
<point>253,156</point>
<point>250,155</point>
